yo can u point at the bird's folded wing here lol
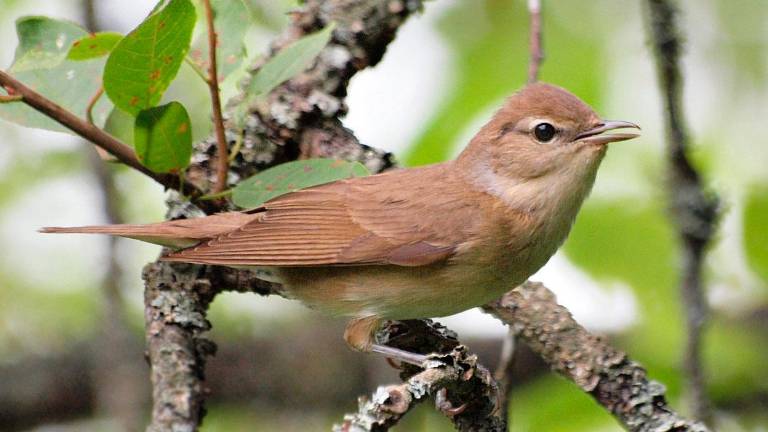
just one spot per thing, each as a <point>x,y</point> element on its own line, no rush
<point>362,221</point>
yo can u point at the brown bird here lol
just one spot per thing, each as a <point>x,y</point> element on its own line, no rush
<point>418,242</point>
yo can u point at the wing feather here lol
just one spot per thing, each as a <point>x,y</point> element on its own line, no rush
<point>361,221</point>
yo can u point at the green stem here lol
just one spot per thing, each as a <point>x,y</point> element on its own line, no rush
<point>214,196</point>
<point>236,148</point>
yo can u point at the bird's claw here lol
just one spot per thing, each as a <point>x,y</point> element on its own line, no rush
<point>445,406</point>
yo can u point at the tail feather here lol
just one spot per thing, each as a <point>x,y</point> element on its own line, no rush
<point>180,233</point>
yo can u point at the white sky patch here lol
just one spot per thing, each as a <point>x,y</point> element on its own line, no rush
<point>603,309</point>
<point>389,104</point>
<point>51,261</point>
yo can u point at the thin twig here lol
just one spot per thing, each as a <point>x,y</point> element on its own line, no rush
<point>503,373</point>
<point>537,53</point>
<point>222,154</point>
<point>693,211</point>
<point>11,98</point>
<point>92,103</point>
<point>90,132</point>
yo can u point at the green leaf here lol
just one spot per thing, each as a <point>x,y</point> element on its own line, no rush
<point>756,230</point>
<point>41,64</point>
<point>290,61</point>
<point>231,21</point>
<point>143,64</point>
<point>286,64</point>
<point>93,46</point>
<point>163,137</point>
<point>292,176</point>
<point>43,42</point>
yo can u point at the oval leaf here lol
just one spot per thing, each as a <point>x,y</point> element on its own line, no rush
<point>143,64</point>
<point>93,46</point>
<point>43,42</point>
<point>286,64</point>
<point>292,176</point>
<point>290,61</point>
<point>231,21</point>
<point>163,137</point>
<point>41,64</point>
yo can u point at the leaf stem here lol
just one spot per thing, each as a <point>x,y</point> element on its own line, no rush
<point>92,103</point>
<point>238,145</point>
<point>195,68</point>
<point>11,98</point>
<point>215,196</point>
<point>218,121</point>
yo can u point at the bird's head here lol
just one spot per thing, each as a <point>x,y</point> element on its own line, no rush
<point>544,130</point>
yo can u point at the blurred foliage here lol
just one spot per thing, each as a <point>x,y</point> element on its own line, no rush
<point>756,230</point>
<point>624,237</point>
<point>41,64</point>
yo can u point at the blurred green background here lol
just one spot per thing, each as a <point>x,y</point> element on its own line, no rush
<point>440,80</point>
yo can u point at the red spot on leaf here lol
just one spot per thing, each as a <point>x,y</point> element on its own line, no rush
<point>183,128</point>
<point>270,188</point>
<point>161,24</point>
<point>134,100</point>
<point>93,46</point>
<point>291,186</point>
<point>307,168</point>
<point>76,43</point>
<point>337,163</point>
<point>155,74</point>
<point>168,59</point>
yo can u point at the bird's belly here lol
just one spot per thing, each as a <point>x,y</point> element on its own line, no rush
<point>394,292</point>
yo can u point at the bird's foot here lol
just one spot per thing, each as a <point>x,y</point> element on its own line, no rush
<point>445,406</point>
<point>401,355</point>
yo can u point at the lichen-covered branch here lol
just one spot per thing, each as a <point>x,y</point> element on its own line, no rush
<point>616,382</point>
<point>174,316</point>
<point>298,119</point>
<point>693,210</point>
<point>463,390</point>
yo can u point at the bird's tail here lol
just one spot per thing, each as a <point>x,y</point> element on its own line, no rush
<point>180,233</point>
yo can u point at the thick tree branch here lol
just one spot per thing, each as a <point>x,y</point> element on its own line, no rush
<point>176,299</point>
<point>298,119</point>
<point>616,382</point>
<point>693,211</point>
<point>90,132</point>
<point>463,390</point>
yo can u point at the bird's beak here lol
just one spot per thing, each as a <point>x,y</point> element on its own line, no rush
<point>595,135</point>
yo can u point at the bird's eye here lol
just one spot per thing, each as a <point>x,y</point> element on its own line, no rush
<point>544,132</point>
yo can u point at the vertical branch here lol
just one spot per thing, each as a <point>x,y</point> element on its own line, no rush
<point>693,211</point>
<point>537,53</point>
<point>222,153</point>
<point>176,299</point>
<point>503,374</point>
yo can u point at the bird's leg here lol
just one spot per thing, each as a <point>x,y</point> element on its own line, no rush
<point>359,335</point>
